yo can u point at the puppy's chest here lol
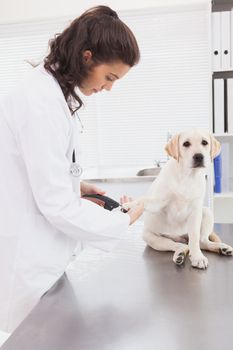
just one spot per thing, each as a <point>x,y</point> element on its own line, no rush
<point>181,201</point>
<point>187,190</point>
<point>178,210</point>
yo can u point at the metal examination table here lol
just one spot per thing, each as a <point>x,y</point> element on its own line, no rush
<point>135,299</point>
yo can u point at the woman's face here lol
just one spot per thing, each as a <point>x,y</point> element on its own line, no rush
<point>102,77</point>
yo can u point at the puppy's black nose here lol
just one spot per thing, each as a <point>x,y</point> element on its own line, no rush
<point>198,158</point>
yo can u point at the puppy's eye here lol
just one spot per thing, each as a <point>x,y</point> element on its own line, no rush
<point>204,143</point>
<point>186,144</point>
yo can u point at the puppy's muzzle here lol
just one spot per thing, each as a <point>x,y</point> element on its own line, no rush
<point>198,160</point>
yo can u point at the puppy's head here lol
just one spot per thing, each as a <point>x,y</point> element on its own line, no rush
<point>194,148</point>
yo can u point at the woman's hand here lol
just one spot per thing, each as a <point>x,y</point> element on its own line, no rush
<point>134,212</point>
<point>87,188</point>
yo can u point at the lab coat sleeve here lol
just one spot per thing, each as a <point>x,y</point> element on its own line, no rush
<point>43,141</point>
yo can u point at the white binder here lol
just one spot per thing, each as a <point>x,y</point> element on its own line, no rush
<point>216,41</point>
<point>231,38</point>
<point>230,105</point>
<point>225,40</point>
<point>219,106</point>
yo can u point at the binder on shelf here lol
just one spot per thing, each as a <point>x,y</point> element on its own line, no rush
<point>231,37</point>
<point>225,107</point>
<point>225,40</point>
<point>230,105</point>
<point>216,41</point>
<point>219,106</point>
<point>218,174</point>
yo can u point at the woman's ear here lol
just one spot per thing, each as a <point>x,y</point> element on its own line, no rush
<point>87,56</point>
<point>215,147</point>
<point>172,147</point>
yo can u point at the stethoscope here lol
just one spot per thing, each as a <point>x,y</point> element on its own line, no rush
<point>75,168</point>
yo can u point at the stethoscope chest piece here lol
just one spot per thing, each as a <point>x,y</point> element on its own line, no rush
<point>75,169</point>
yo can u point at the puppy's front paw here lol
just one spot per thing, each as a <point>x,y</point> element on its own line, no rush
<point>179,258</point>
<point>129,205</point>
<point>226,250</point>
<point>126,206</point>
<point>199,260</point>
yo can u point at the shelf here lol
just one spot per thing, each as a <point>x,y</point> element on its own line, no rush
<point>223,70</point>
<point>222,136</point>
<point>221,5</point>
<point>223,195</point>
<point>224,74</point>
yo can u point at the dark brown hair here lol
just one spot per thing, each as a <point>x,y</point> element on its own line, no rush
<point>99,30</point>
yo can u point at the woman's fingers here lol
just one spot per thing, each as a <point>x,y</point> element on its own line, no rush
<point>97,190</point>
<point>125,199</point>
<point>87,188</point>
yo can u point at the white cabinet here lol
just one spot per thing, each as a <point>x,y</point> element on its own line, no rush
<point>222,68</point>
<point>223,202</point>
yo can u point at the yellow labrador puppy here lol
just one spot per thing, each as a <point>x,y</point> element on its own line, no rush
<point>174,216</point>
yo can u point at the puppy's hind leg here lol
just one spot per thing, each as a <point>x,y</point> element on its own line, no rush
<point>166,244</point>
<point>209,240</point>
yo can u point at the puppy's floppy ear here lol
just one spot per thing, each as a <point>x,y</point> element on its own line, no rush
<point>215,147</point>
<point>172,147</point>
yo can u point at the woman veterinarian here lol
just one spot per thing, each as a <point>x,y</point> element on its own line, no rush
<point>42,214</point>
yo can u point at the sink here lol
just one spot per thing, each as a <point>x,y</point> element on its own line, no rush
<point>149,171</point>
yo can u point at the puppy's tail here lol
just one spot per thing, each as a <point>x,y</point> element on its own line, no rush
<point>214,238</point>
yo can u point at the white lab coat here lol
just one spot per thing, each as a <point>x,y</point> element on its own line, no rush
<point>42,218</point>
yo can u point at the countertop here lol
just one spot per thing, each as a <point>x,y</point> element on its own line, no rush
<point>115,175</point>
<point>134,298</point>
<point>121,179</point>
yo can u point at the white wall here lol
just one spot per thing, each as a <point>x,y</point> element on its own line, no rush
<point>27,10</point>
<point>174,68</point>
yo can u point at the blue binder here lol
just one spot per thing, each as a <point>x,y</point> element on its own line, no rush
<point>218,174</point>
